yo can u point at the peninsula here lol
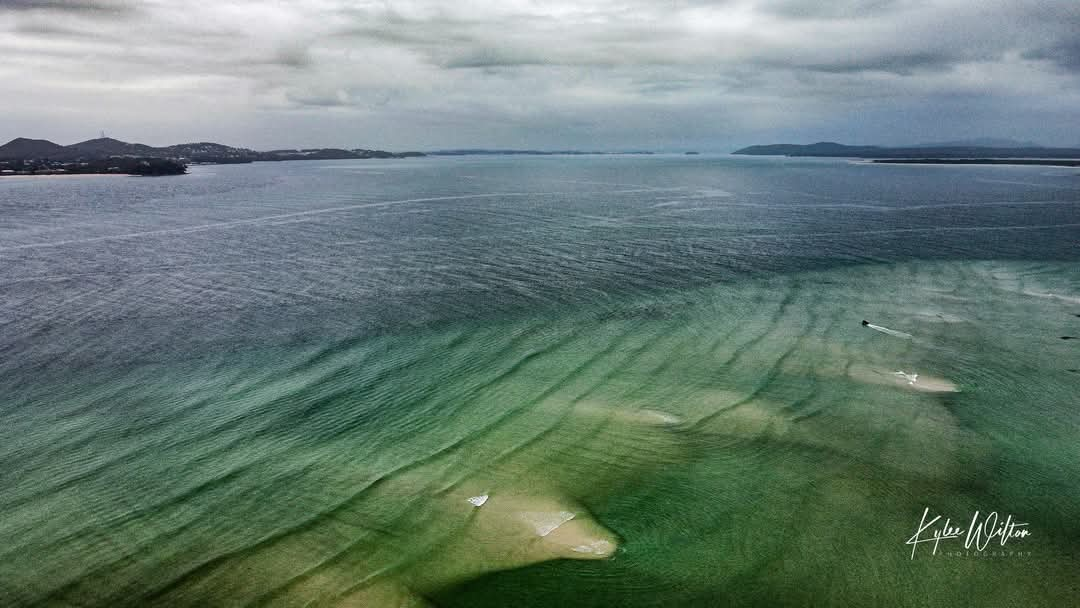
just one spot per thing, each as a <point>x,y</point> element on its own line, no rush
<point>954,153</point>
<point>1055,162</point>
<point>22,156</point>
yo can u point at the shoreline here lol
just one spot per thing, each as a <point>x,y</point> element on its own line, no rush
<point>65,175</point>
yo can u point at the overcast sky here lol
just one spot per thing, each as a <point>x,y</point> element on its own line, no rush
<point>656,74</point>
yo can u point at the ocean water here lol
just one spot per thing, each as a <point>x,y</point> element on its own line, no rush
<point>581,381</point>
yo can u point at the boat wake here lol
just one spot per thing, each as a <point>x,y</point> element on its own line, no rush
<point>886,330</point>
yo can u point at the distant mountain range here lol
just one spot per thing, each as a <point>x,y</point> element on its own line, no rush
<point>832,149</point>
<point>202,152</point>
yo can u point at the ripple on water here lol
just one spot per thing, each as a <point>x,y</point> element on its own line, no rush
<point>666,448</point>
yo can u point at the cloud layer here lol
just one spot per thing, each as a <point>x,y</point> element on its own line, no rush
<point>521,73</point>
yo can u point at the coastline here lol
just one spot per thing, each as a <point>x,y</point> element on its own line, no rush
<point>48,175</point>
<point>1046,162</point>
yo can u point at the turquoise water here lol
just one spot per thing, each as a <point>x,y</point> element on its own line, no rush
<point>629,381</point>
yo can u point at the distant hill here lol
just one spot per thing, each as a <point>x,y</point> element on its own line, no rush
<point>106,146</point>
<point>821,148</point>
<point>208,152</point>
<point>22,147</point>
<point>835,150</point>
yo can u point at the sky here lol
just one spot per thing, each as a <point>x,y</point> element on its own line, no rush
<point>709,75</point>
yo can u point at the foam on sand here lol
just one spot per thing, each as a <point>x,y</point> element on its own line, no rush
<point>901,379</point>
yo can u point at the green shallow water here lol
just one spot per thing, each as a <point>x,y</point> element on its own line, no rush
<point>742,440</point>
<point>798,468</point>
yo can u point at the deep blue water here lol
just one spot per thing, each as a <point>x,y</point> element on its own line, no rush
<point>283,383</point>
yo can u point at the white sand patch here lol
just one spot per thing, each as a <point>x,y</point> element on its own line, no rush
<point>546,522</point>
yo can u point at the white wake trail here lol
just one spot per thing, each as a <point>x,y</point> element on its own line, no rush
<point>891,332</point>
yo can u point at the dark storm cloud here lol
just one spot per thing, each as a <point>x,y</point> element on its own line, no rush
<point>895,63</point>
<point>1065,54</point>
<point>295,54</point>
<point>67,6</point>
<point>833,9</point>
<point>50,29</point>
<point>563,73</point>
<point>492,57</point>
<point>1059,44</point>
